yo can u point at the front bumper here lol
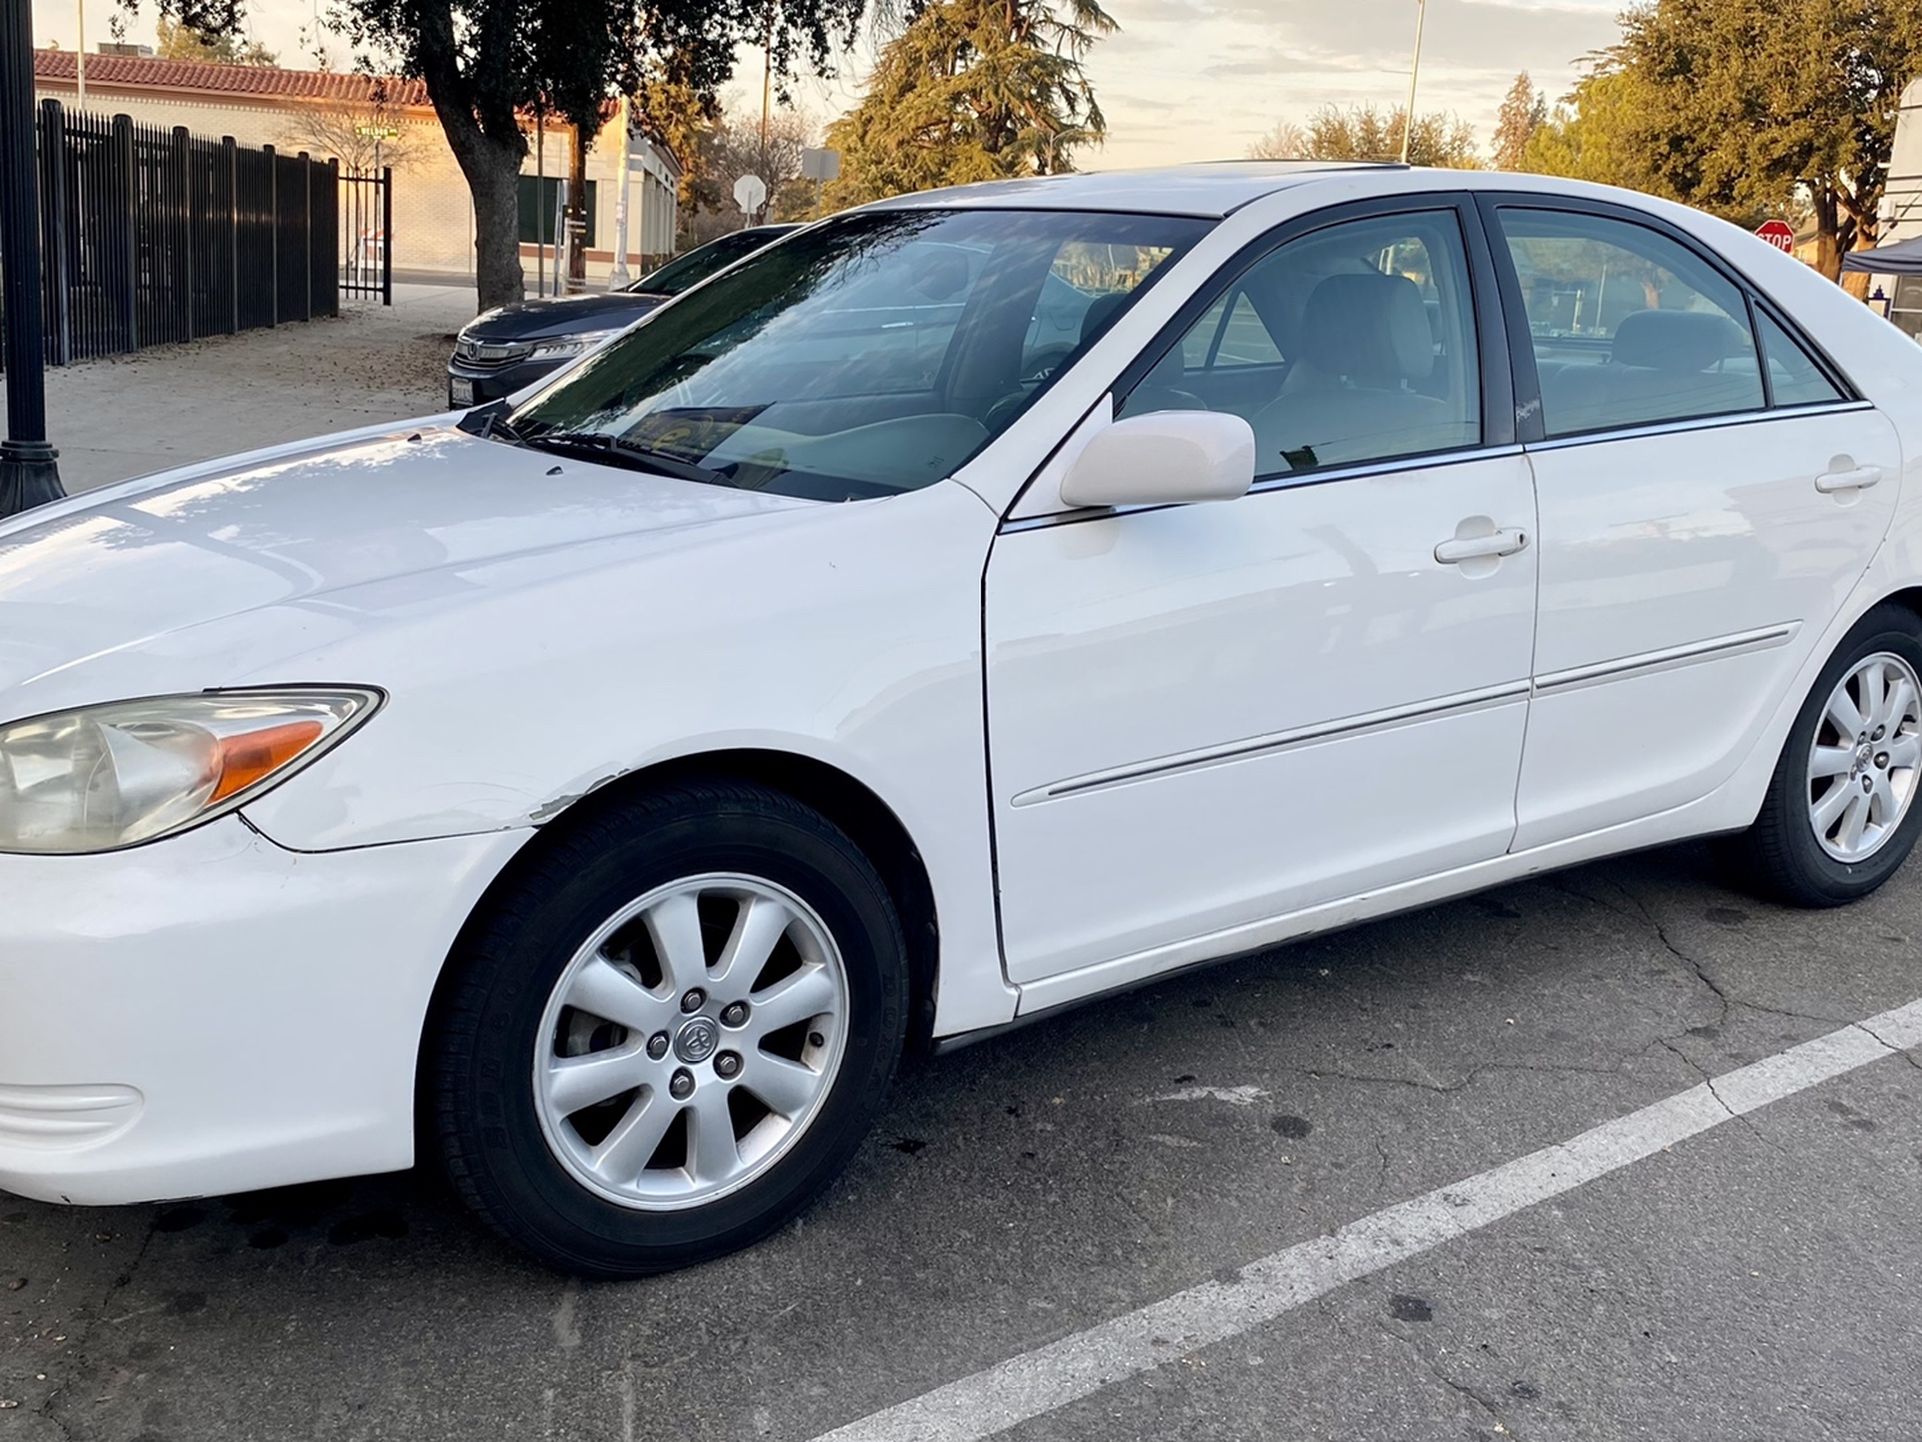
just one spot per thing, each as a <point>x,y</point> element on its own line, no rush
<point>491,385</point>
<point>213,1013</point>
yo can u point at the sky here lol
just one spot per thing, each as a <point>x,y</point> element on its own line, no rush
<point>1184,79</point>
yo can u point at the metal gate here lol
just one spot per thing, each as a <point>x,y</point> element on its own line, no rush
<point>366,234</point>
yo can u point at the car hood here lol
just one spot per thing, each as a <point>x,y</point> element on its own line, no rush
<point>331,539</point>
<point>564,315</point>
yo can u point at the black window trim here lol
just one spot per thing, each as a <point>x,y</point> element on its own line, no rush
<point>1492,344</point>
<point>1531,431</point>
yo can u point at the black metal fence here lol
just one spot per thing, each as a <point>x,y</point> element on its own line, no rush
<point>366,223</point>
<point>149,236</point>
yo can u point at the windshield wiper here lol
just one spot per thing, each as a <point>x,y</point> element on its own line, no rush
<point>490,423</point>
<point>600,446</point>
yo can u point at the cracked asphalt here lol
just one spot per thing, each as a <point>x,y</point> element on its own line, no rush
<point>1759,1281</point>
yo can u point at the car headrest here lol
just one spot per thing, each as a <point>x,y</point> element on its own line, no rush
<point>1100,314</point>
<point>1368,327</point>
<point>1680,342</point>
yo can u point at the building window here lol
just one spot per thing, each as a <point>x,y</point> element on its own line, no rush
<point>539,202</point>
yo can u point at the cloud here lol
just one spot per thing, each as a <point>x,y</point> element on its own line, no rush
<point>1233,68</point>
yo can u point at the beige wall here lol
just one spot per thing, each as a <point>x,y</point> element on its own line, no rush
<point>433,214</point>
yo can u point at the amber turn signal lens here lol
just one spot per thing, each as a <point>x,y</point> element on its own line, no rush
<point>253,755</point>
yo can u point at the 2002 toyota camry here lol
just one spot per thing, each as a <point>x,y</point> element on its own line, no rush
<point>599,792</point>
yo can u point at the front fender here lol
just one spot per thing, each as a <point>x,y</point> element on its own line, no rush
<point>850,635</point>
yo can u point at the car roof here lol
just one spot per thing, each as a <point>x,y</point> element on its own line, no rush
<point>1210,188</point>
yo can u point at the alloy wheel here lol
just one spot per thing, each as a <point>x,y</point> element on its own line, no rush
<point>690,1041</point>
<point>1864,760</point>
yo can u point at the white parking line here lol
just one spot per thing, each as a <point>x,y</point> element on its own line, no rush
<point>1038,1382</point>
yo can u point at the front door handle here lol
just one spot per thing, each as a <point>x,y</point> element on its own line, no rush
<point>1457,549</point>
<point>1856,478</point>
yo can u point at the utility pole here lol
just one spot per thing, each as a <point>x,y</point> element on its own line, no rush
<point>623,117</point>
<point>29,475</point>
<point>767,96</point>
<point>80,56</point>
<point>1414,73</point>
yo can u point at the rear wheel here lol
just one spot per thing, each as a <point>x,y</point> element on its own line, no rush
<point>671,1031</point>
<point>1840,814</point>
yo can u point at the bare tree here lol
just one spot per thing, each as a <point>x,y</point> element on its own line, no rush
<point>1287,141</point>
<point>733,148</point>
<point>362,135</point>
<point>1368,132</point>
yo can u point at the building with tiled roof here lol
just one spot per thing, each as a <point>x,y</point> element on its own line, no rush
<point>117,73</point>
<point>294,110</point>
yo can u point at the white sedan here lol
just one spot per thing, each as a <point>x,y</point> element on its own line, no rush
<point>598,793</point>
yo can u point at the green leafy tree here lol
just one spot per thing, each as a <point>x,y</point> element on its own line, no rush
<point>1524,110</point>
<point>1599,133</point>
<point>1367,132</point>
<point>973,90</point>
<point>491,65</point>
<point>1754,104</point>
<point>176,40</point>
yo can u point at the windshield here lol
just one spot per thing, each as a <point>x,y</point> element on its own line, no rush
<point>684,272</point>
<point>865,356</point>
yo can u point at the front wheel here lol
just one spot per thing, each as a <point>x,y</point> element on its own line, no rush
<point>1840,813</point>
<point>670,1032</point>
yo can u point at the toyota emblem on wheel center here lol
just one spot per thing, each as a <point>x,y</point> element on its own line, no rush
<point>697,1040</point>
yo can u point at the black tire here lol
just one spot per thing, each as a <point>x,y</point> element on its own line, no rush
<point>1780,857</point>
<point>479,1088</point>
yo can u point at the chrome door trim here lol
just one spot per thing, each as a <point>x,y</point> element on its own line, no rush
<point>1697,423</point>
<point>1340,729</point>
<point>1741,643</point>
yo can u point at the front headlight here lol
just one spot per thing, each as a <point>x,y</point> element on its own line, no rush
<point>110,776</point>
<point>571,345</point>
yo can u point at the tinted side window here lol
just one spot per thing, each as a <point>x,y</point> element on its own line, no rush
<point>1794,377</point>
<point>1351,344</point>
<point>1629,327</point>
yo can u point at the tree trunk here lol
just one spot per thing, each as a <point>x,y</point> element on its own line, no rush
<point>489,154</point>
<point>1862,234</point>
<point>495,183</point>
<point>577,236</point>
<point>1828,246</point>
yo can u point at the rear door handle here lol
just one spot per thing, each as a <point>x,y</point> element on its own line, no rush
<point>1457,549</point>
<point>1858,479</point>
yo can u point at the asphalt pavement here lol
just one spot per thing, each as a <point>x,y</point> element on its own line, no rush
<point>1756,1280</point>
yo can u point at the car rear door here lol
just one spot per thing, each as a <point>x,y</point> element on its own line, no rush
<point>1710,490</point>
<point>1205,718</point>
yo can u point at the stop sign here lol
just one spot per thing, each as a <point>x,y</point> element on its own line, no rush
<point>1778,233</point>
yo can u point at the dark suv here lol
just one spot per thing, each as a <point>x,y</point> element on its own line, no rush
<point>513,346</point>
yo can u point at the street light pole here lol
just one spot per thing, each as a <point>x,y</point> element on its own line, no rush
<point>28,474</point>
<point>618,277</point>
<point>1414,73</point>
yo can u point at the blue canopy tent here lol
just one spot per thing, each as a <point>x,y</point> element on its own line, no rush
<point>1900,257</point>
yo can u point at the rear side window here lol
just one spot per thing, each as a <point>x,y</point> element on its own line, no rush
<point>1794,377</point>
<point>1350,344</point>
<point>1628,326</point>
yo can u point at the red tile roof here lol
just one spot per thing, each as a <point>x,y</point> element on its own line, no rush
<point>265,81</point>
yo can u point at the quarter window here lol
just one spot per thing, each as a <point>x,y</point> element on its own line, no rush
<point>1629,327</point>
<point>1794,377</point>
<point>1351,344</point>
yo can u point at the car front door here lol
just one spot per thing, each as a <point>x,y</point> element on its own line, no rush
<point>1710,492</point>
<point>1205,718</point>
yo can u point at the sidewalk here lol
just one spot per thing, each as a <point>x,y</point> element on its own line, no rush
<point>133,414</point>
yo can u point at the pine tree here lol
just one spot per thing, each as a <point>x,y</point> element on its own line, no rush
<point>973,90</point>
<point>1524,110</point>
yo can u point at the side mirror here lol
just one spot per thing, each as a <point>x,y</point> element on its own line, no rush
<point>1165,458</point>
